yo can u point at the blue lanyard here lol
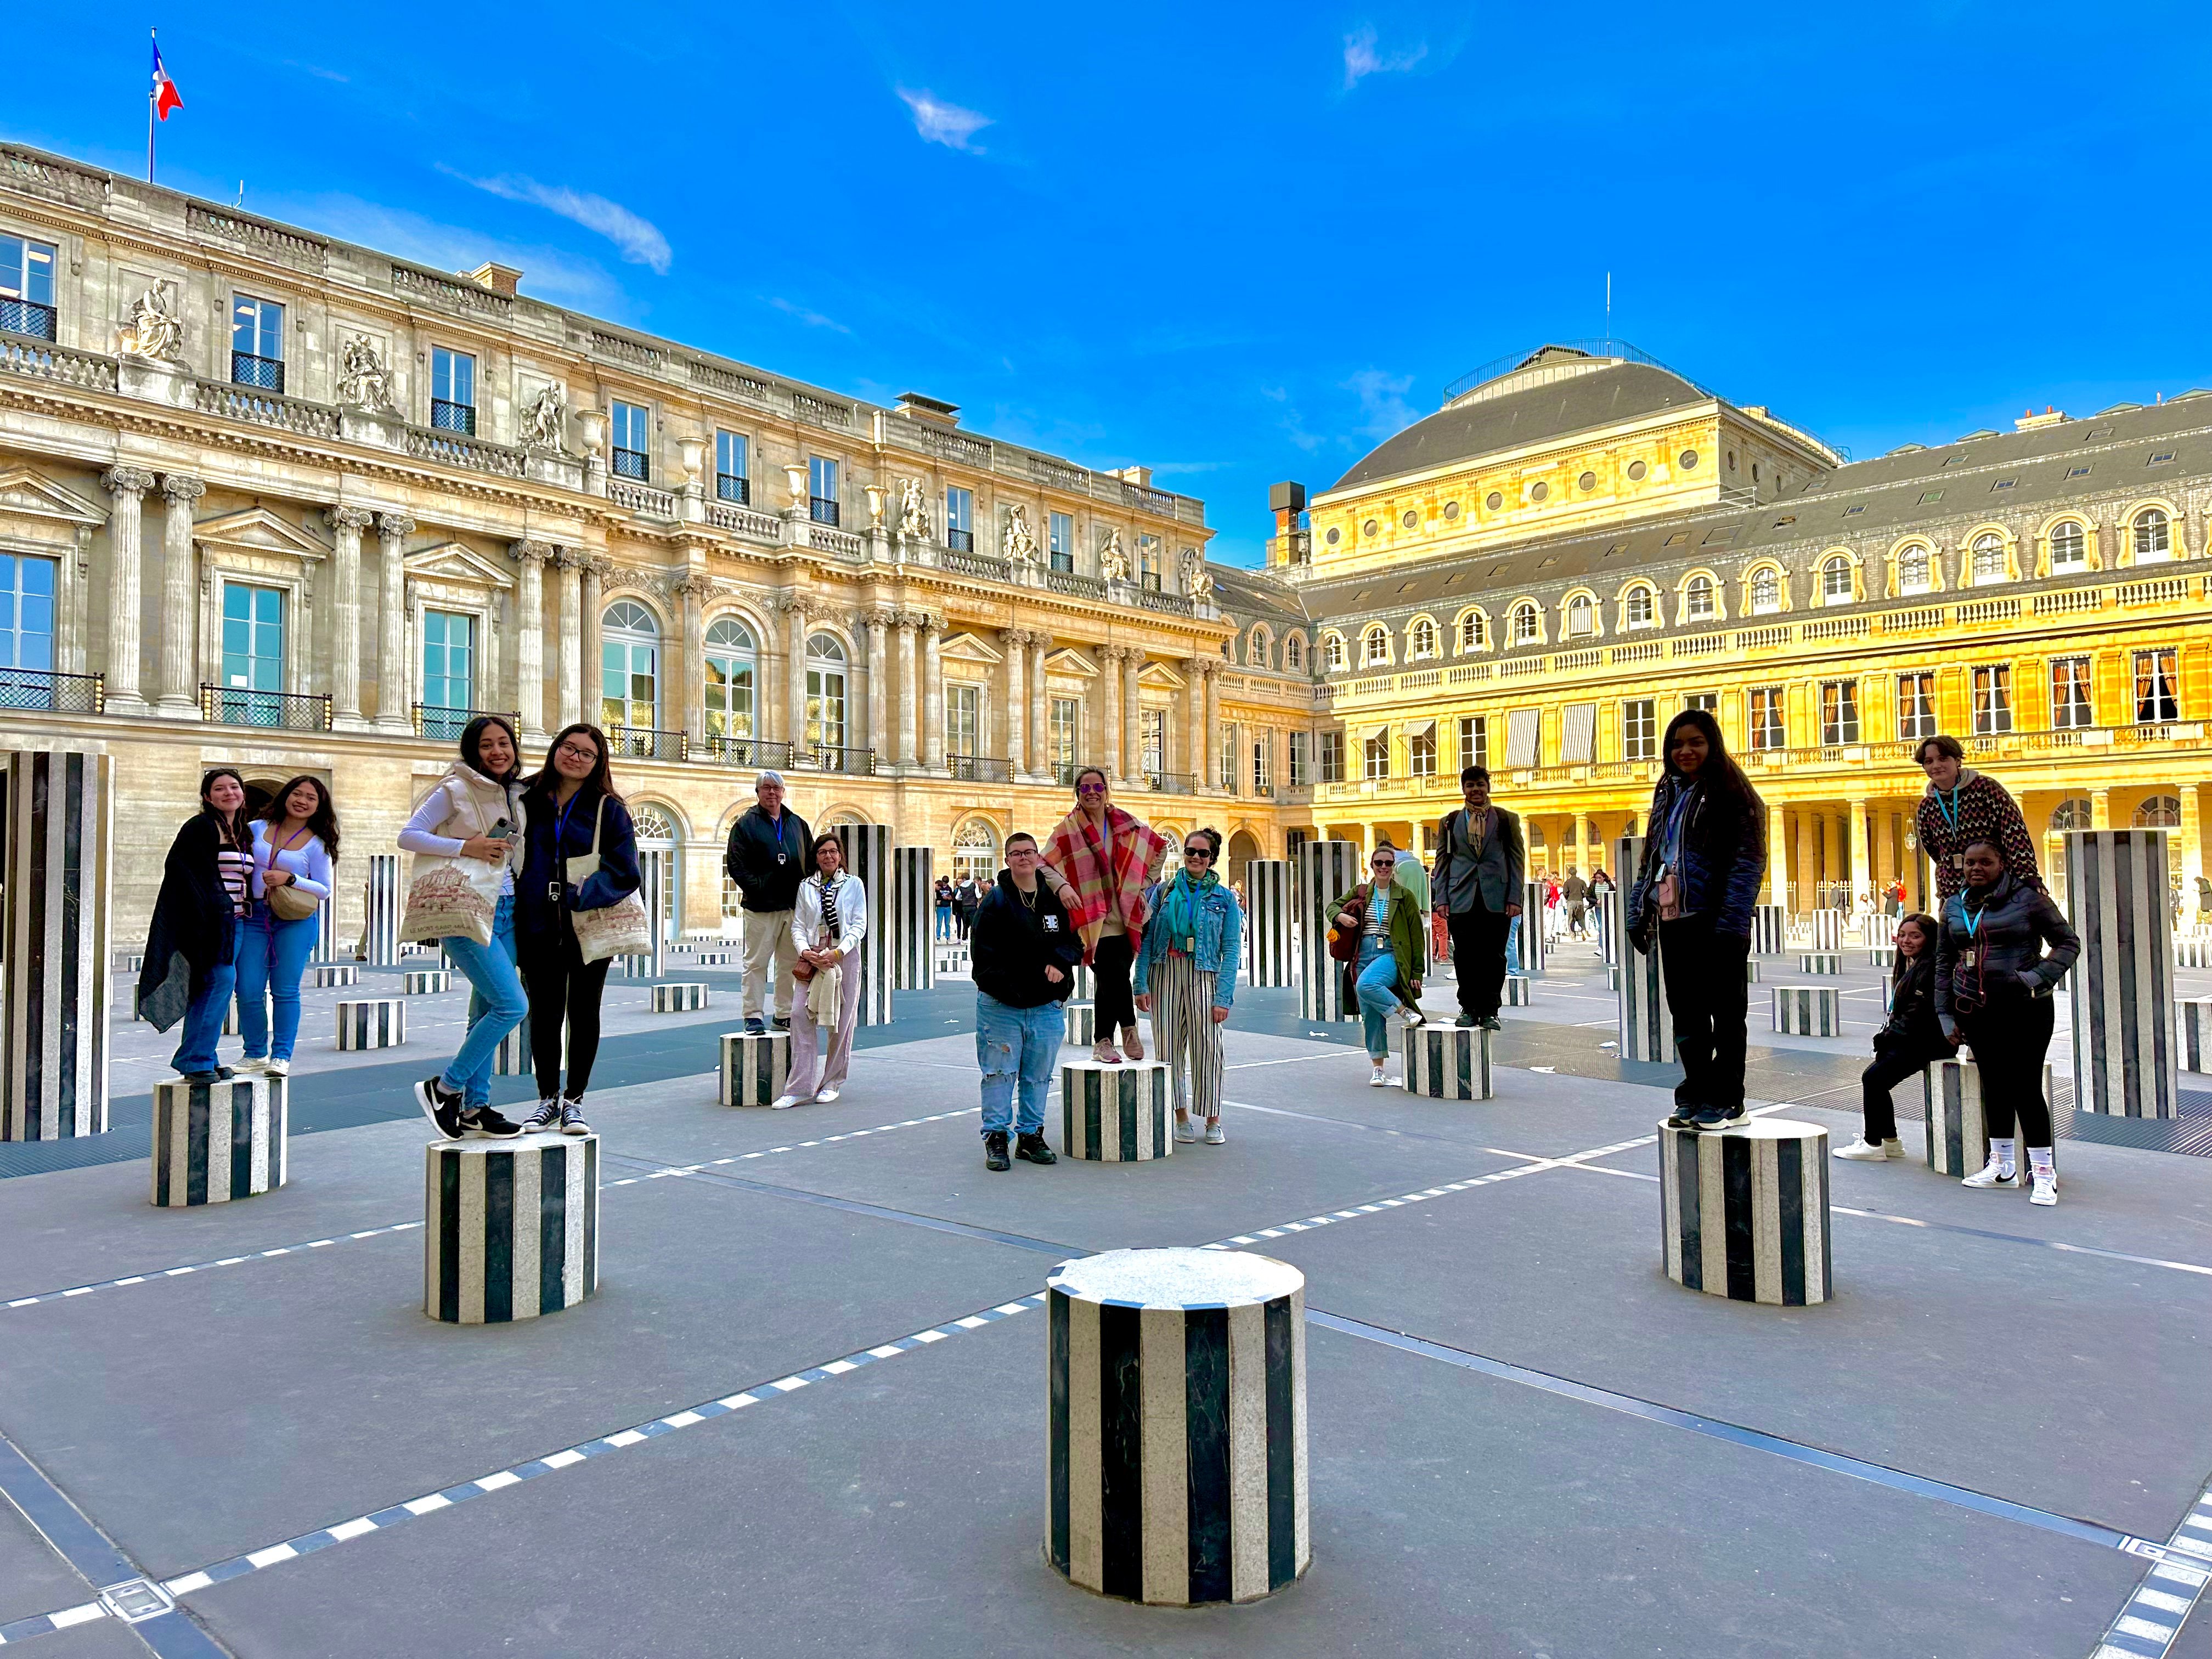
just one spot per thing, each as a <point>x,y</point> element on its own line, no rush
<point>1949,809</point>
<point>1974,919</point>
<point>560,823</point>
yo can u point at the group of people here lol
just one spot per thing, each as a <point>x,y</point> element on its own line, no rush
<point>956,903</point>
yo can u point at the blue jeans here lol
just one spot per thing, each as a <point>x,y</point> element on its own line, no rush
<point>1513,947</point>
<point>1011,1045</point>
<point>944,921</point>
<point>203,1022</point>
<point>271,956</point>
<point>496,1009</point>
<point>1374,980</point>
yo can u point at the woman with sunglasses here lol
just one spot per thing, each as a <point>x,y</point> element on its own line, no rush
<point>1107,857</point>
<point>1393,956</point>
<point>1187,958</point>
<point>191,945</point>
<point>293,846</point>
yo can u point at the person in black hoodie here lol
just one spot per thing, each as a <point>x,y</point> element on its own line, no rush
<point>1024,950</point>
<point>1908,1044</point>
<point>191,945</point>
<point>769,856</point>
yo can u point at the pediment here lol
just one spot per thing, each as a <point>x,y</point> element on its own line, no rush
<point>1159,677</point>
<point>257,529</point>
<point>451,562</point>
<point>968,647</point>
<point>36,496</point>
<point>1069,661</point>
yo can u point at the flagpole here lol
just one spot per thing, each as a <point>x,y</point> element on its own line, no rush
<point>150,95</point>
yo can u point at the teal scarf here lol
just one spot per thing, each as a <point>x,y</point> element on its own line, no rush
<point>1179,905</point>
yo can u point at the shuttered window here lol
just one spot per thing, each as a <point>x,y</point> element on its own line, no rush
<point>1523,731</point>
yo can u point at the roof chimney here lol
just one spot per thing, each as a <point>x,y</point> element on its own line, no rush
<point>500,279</point>
<point>934,410</point>
<point>2031,421</point>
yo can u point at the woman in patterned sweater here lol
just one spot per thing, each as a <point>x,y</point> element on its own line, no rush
<point>1962,807</point>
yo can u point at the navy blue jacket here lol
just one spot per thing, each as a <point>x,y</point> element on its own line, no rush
<point>1722,860</point>
<point>538,922</point>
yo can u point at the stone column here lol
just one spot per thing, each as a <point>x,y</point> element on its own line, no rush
<point>1133,748</point>
<point>2101,809</point>
<point>867,852</point>
<point>905,742</point>
<point>125,485</point>
<point>1646,1023</point>
<point>2122,985</point>
<point>932,700</point>
<point>913,918</point>
<point>346,523</point>
<point>1832,856</point>
<point>1015,698</point>
<point>590,584</point>
<point>692,594</point>
<point>1110,726</point>
<point>797,619</point>
<point>180,600</point>
<point>2192,847</point>
<point>1216,735</point>
<point>1040,726</point>
<point>1806,857</point>
<point>1777,857</point>
<point>529,632</point>
<point>1855,826</point>
<point>54,928</point>
<point>1322,869</point>
<point>568,691</point>
<point>1267,922</point>
<point>878,624</point>
<point>1194,708</point>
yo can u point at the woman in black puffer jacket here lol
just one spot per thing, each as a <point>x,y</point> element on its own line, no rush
<point>1908,1042</point>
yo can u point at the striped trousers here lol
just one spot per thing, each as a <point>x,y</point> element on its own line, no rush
<point>1183,1028</point>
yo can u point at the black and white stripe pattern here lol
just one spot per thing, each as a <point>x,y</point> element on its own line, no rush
<point>54,940</point>
<point>679,997</point>
<point>1770,928</point>
<point>129,962</point>
<point>1809,1010</point>
<point>914,918</point>
<point>1743,1212</point>
<point>2192,953</point>
<point>512,1058</point>
<point>1176,1439</point>
<point>1115,1113</point>
<point>374,1022</point>
<point>867,852</point>
<point>951,961</point>
<point>637,965</point>
<point>1878,927</point>
<point>381,925</point>
<point>654,869</point>
<point>511,1228</point>
<point>330,977</point>
<point>754,1068</point>
<point>1084,980</point>
<point>2122,986</point>
<point>715,959</point>
<point>1822,962</point>
<point>1183,1023</point>
<point>1883,957</point>
<point>1082,1019</point>
<point>2195,1030</point>
<point>1823,929</point>
<point>1751,970</point>
<point>1449,1063</point>
<point>230,1016</point>
<point>1646,1023</point>
<point>1533,919</point>
<point>326,930</point>
<point>1326,869</point>
<point>216,1141</point>
<point>1520,990</point>
<point>421,981</point>
<point>1267,922</point>
<point>1957,1135</point>
<point>1602,905</point>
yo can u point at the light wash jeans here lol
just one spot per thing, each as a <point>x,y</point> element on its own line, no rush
<point>1015,1045</point>
<point>271,956</point>
<point>1513,947</point>
<point>1374,980</point>
<point>203,1022</point>
<point>496,1009</point>
<point>944,921</point>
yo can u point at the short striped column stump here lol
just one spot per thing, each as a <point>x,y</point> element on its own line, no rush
<point>513,1057</point>
<point>216,1141</point>
<point>230,1017</point>
<point>1957,1135</point>
<point>716,959</point>
<point>1087,983</point>
<point>1115,1114</point>
<point>952,958</point>
<point>1176,1451</point>
<point>511,1228</point>
<point>754,1068</point>
<point>1809,1010</point>
<point>128,962</point>
<point>637,966</point>
<point>331,977</point>
<point>1613,976</point>
<point>425,981</point>
<point>374,1023</point>
<point>1820,962</point>
<point>2192,953</point>
<point>1519,991</point>
<point>2196,1019</point>
<point>687,996</point>
<point>1750,970</point>
<point>1743,1211</point>
<point>1449,1063</point>
<point>1883,957</point>
<point>1082,1022</point>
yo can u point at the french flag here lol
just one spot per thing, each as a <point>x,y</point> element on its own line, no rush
<point>166,96</point>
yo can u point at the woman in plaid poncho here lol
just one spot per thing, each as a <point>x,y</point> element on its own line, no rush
<point>1107,857</point>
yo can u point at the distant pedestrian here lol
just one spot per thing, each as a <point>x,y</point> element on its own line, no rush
<point>965,897</point>
<point>1023,952</point>
<point>1576,892</point>
<point>943,898</point>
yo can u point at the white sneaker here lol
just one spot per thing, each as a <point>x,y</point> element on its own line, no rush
<point>2046,1188</point>
<point>783,1103</point>
<point>825,1097</point>
<point>276,1067</point>
<point>1186,1131</point>
<point>1992,1176</point>
<point>1865,1152</point>
<point>1214,1137</point>
<point>251,1063</point>
<point>1378,1078</point>
<point>1414,1017</point>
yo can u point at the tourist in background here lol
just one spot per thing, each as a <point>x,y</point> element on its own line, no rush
<point>1910,1040</point>
<point>1481,866</point>
<point>1576,892</point>
<point>1025,948</point>
<point>1106,856</point>
<point>579,855</point>
<point>944,902</point>
<point>1385,974</point>
<point>1993,985</point>
<point>766,858</point>
<point>828,919</point>
<point>1704,851</point>
<point>294,849</point>
<point>1962,806</point>
<point>192,944</point>
<point>1187,961</point>
<point>965,897</point>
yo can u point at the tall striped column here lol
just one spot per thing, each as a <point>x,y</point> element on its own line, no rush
<point>381,926</point>
<point>54,941</point>
<point>1647,1024</point>
<point>867,852</point>
<point>1957,1141</point>
<point>1448,1062</point>
<point>1115,1114</point>
<point>1176,1402</point>
<point>1602,907</point>
<point>1533,949</point>
<point>1743,1213</point>
<point>216,1141</point>
<point>653,871</point>
<point>914,918</point>
<point>1325,870</point>
<point>1770,930</point>
<point>2123,985</point>
<point>1268,921</point>
<point>511,1228</point>
<point>1824,930</point>
<point>326,930</point>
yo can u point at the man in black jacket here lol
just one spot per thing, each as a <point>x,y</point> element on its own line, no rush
<point>1481,862</point>
<point>1025,951</point>
<point>769,856</point>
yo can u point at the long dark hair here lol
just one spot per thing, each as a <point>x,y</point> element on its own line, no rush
<point>1928,928</point>
<point>1720,772</point>
<point>548,776</point>
<point>475,730</point>
<point>322,823</point>
<point>232,823</point>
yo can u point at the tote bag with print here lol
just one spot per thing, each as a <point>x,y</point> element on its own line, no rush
<point>618,929</point>
<point>454,898</point>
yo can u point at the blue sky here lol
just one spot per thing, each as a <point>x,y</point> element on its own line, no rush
<point>1240,243</point>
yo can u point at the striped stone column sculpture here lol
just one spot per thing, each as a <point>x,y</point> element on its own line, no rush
<point>421,981</point>
<point>1115,1114</point>
<point>1809,1010</point>
<point>380,923</point>
<point>334,974</point>
<point>1449,1063</point>
<point>1085,981</point>
<point>1883,957</point>
<point>679,997</point>
<point>1824,930</point>
<point>512,1058</point>
<point>511,1228</point>
<point>1957,1135</point>
<point>1267,923</point>
<point>1751,970</point>
<point>1520,991</point>
<point>1602,905</point>
<point>1743,1212</point>
<point>2192,953</point>
<point>914,918</point>
<point>653,870</point>
<point>2196,1034</point>
<point>2122,984</point>
<point>54,921</point>
<point>1082,1019</point>
<point>754,1068</point>
<point>1534,949</point>
<point>1819,962</point>
<point>1325,869</point>
<point>1647,1025</point>
<point>326,930</point>
<point>867,852</point>
<point>949,961</point>
<point>1770,930</point>
<point>1177,1425</point>
<point>715,959</point>
<point>372,1023</point>
<point>216,1141</point>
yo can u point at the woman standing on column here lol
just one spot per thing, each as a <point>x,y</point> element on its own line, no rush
<point>1908,1044</point>
<point>579,854</point>
<point>475,812</point>
<point>1107,857</point>
<point>1187,959</point>
<point>191,945</point>
<point>294,849</point>
<point>1962,806</point>
<point>1993,985</point>
<point>1387,973</point>
<point>827,923</point>
<point>1704,853</point>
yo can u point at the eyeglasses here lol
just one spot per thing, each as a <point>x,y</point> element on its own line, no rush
<point>1022,852</point>
<point>1198,853</point>
<point>1090,788</point>
<point>575,751</point>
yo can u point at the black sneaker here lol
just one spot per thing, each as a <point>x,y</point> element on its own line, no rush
<point>224,1074</point>
<point>1719,1117</point>
<point>1491,1023</point>
<point>200,1078</point>
<point>756,1026</point>
<point>488,1124</point>
<point>1033,1148</point>
<point>779,1023</point>
<point>572,1118</point>
<point>441,1105</point>
<point>1466,1022</point>
<point>1682,1117</point>
<point>995,1151</point>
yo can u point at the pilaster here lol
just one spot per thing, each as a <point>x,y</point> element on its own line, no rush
<point>393,679</point>
<point>180,609</point>
<point>346,524</point>
<point>126,486</point>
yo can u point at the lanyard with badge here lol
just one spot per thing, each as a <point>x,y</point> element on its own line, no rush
<point>1969,956</point>
<point>1949,809</point>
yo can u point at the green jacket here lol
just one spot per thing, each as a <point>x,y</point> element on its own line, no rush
<point>1408,925</point>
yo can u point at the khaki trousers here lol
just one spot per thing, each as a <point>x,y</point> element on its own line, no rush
<point>770,955</point>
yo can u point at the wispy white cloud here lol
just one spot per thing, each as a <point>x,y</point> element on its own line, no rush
<point>1292,423</point>
<point>812,319</point>
<point>1181,469</point>
<point>1383,410</point>
<point>1361,59</point>
<point>316,70</point>
<point>941,122</point>
<point>639,239</point>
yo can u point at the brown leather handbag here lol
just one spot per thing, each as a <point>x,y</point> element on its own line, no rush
<point>1344,943</point>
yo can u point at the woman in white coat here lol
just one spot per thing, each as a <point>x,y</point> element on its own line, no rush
<point>828,922</point>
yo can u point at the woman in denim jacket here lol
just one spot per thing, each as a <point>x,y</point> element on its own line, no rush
<point>1187,958</point>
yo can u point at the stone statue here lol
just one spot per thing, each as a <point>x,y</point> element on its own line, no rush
<point>1017,544</point>
<point>153,331</point>
<point>546,423</point>
<point>363,380</point>
<point>914,510</point>
<point>1114,558</point>
<point>1197,579</point>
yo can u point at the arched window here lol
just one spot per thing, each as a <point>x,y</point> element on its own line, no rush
<point>825,693</point>
<point>975,852</point>
<point>630,667</point>
<point>1334,647</point>
<point>1374,648</point>
<point>1638,611</point>
<point>1697,598</point>
<point>1916,569</point>
<point>1474,631</point>
<point>731,661</point>
<point>1423,640</point>
<point>1294,653</point>
<point>2070,814</point>
<point>1581,616</point>
<point>1765,589</point>
<point>2158,812</point>
<point>1528,628</point>
<point>1989,553</point>
<point>1836,581</point>
<point>2154,536</point>
<point>1256,652</point>
<point>2067,550</point>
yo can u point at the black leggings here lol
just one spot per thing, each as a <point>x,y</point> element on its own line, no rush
<point>563,988</point>
<point>1709,999</point>
<point>1894,1061</point>
<point>1110,963</point>
<point>2009,1041</point>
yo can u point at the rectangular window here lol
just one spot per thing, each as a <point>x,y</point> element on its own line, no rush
<point>633,441</point>
<point>1474,740</point>
<point>1839,711</point>
<point>2073,703</point>
<point>1421,754</point>
<point>453,391</point>
<point>1332,757</point>
<point>959,518</point>
<point>1148,562</point>
<point>27,287</point>
<point>733,468</point>
<point>26,626</point>
<point>1708,701</point>
<point>1578,733</point>
<point>1916,707</point>
<point>822,476</point>
<point>1152,739</point>
<point>1639,729</point>
<point>963,718</point>
<point>2158,698</point>
<point>1993,699</point>
<point>1301,759</point>
<point>1376,756</point>
<point>1524,736</point>
<point>257,342</point>
<point>1067,721</point>
<point>1263,762</point>
<point>1225,759</point>
<point>449,655</point>
<point>1767,726</point>
<point>252,653</point>
<point>1060,533</point>
<point>728,679</point>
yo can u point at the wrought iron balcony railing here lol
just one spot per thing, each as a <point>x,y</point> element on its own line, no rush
<point>446,416</point>
<point>960,541</point>
<point>730,487</point>
<point>643,743</point>
<point>632,464</point>
<point>1171,783</point>
<point>434,721</point>
<point>826,757</point>
<point>980,769</point>
<point>43,691</point>
<point>27,316</point>
<point>822,510</point>
<point>725,751</point>
<point>266,373</point>
<point>275,711</point>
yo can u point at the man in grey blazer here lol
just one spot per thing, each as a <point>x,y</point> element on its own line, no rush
<point>1482,861</point>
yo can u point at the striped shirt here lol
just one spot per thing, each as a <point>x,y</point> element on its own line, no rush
<point>830,928</point>
<point>236,869</point>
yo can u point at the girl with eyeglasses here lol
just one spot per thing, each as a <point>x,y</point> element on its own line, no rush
<point>1187,959</point>
<point>1107,857</point>
<point>1393,956</point>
